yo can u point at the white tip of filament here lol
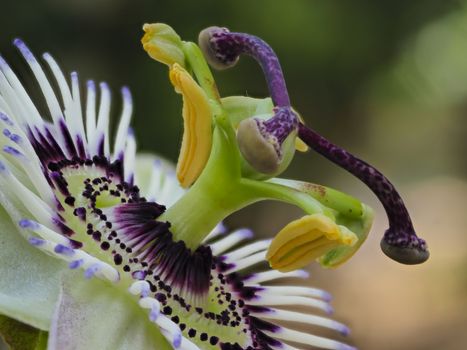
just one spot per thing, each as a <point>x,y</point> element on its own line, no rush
<point>3,167</point>
<point>76,264</point>
<point>36,241</point>
<point>153,305</point>
<point>6,119</point>
<point>64,250</point>
<point>24,50</point>
<point>13,152</point>
<point>140,288</point>
<point>29,224</point>
<point>92,270</point>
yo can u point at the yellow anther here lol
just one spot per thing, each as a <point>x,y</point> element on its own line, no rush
<point>299,144</point>
<point>305,240</point>
<point>197,119</point>
<point>163,44</point>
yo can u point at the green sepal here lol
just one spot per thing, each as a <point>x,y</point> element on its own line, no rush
<point>239,108</point>
<point>361,227</point>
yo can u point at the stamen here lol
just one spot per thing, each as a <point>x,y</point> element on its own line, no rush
<point>197,120</point>
<point>163,44</point>
<point>305,240</point>
<point>400,242</point>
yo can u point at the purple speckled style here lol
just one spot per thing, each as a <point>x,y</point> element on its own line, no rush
<point>279,127</point>
<point>228,46</point>
<point>400,241</point>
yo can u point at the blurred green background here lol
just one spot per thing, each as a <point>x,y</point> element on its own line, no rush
<point>385,79</point>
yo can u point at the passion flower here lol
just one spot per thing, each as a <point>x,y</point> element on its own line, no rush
<point>159,270</point>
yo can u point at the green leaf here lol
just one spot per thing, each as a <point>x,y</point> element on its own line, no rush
<point>20,336</point>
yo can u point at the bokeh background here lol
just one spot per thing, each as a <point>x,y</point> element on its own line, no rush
<point>385,79</point>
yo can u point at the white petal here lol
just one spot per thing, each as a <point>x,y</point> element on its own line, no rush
<point>29,283</point>
<point>151,176</point>
<point>91,314</point>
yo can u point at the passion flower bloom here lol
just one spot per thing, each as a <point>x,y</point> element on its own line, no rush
<point>136,253</point>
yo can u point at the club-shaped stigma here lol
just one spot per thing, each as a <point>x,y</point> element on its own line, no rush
<point>400,242</point>
<point>262,142</point>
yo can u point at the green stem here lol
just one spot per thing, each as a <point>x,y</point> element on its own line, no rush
<point>339,201</point>
<point>221,191</point>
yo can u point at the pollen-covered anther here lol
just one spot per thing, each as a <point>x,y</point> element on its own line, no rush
<point>197,120</point>
<point>163,44</point>
<point>305,240</point>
